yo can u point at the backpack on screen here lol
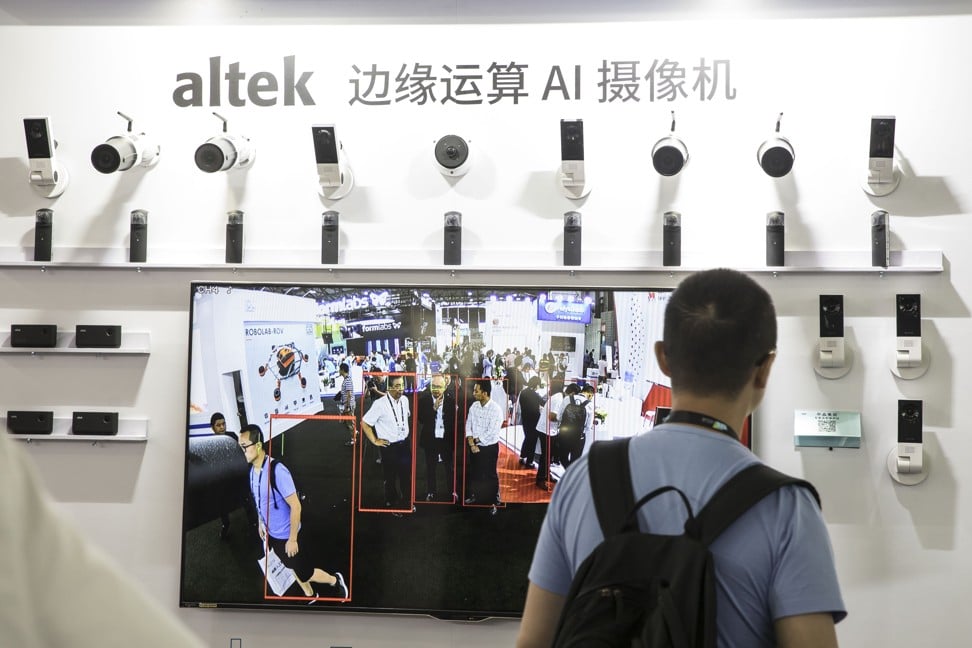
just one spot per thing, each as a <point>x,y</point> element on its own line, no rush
<point>641,590</point>
<point>574,417</point>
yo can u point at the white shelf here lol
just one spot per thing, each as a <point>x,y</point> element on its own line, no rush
<point>851,261</point>
<point>132,343</point>
<point>129,431</point>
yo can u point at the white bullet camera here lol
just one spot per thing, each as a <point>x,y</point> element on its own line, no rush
<point>46,174</point>
<point>122,152</point>
<point>452,156</point>
<point>669,155</point>
<point>776,154</point>
<point>225,152</point>
<point>335,174</point>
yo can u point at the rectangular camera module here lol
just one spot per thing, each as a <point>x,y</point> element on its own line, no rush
<point>909,421</point>
<point>325,144</point>
<point>39,141</point>
<point>908,315</point>
<point>572,139</point>
<point>831,316</point>
<point>882,137</point>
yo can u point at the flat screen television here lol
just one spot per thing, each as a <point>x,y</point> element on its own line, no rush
<point>271,355</point>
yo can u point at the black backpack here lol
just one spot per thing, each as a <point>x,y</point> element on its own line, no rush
<point>574,417</point>
<point>640,590</point>
<point>273,484</point>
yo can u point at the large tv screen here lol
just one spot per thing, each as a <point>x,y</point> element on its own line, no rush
<point>424,524</point>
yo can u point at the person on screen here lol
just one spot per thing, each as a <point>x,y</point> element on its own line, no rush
<point>547,429</point>
<point>279,509</point>
<point>776,584</point>
<point>573,432</point>
<point>386,425</point>
<point>484,423</point>
<point>437,434</point>
<point>60,590</point>
<point>530,402</point>
<point>217,423</point>
<point>346,400</point>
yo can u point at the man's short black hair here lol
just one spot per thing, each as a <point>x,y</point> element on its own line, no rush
<point>719,326</point>
<point>486,386</point>
<point>344,367</point>
<point>571,389</point>
<point>217,416</point>
<point>254,432</point>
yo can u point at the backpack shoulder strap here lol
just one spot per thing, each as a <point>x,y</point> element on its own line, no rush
<point>610,476</point>
<point>736,496</point>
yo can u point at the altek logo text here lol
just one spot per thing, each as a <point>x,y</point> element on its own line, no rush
<point>261,88</point>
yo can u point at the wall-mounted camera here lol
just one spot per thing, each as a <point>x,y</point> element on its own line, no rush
<point>909,360</point>
<point>833,359</point>
<point>776,155</point>
<point>573,176</point>
<point>333,171</point>
<point>452,156</point>
<point>452,235</point>
<point>330,221</point>
<point>906,461</point>
<point>880,239</point>
<point>669,155</point>
<point>882,173</point>
<point>775,238</point>
<point>572,238</point>
<point>672,238</point>
<point>122,152</point>
<point>225,151</point>
<point>46,174</point>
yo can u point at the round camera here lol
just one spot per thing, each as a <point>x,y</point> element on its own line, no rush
<point>451,155</point>
<point>117,154</point>
<point>669,155</point>
<point>217,154</point>
<point>776,157</point>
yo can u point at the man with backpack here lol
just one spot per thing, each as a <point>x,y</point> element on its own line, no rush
<point>278,507</point>
<point>759,561</point>
<point>576,417</point>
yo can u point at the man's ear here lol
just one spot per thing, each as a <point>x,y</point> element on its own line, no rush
<point>761,377</point>
<point>662,358</point>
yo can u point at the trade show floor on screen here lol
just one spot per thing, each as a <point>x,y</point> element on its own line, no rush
<point>442,558</point>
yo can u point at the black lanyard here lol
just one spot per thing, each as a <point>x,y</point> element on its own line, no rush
<point>694,418</point>
<point>400,425</point>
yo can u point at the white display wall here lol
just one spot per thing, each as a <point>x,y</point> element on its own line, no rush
<point>904,554</point>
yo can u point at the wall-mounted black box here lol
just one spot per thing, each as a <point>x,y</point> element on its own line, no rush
<point>102,423</point>
<point>33,335</point>
<point>30,422</point>
<point>98,336</point>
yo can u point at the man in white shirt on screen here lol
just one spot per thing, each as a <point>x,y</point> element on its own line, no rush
<point>386,425</point>
<point>483,425</point>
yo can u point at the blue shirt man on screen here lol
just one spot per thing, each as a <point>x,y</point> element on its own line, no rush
<point>776,583</point>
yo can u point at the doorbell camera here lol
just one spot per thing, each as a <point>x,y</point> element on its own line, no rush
<point>452,156</point>
<point>832,361</point>
<point>138,236</point>
<point>672,238</point>
<point>329,236</point>
<point>333,171</point>
<point>122,152</point>
<point>572,238</point>
<point>669,155</point>
<point>452,245</point>
<point>908,352</point>
<point>43,234</point>
<point>776,154</point>
<point>224,152</point>
<point>45,173</point>
<point>880,239</point>
<point>234,237</point>
<point>775,236</point>
<point>910,436</point>
<point>831,316</point>
<point>882,174</point>
<point>572,177</point>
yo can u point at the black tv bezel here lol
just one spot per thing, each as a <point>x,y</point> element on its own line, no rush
<point>499,286</point>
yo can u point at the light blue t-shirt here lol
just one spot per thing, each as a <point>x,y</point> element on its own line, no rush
<point>271,507</point>
<point>774,561</point>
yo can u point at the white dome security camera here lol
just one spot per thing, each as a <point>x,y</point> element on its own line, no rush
<point>669,155</point>
<point>224,152</point>
<point>452,156</point>
<point>776,154</point>
<point>122,152</point>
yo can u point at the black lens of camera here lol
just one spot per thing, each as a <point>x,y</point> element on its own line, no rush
<point>777,161</point>
<point>210,158</point>
<point>105,158</point>
<point>668,160</point>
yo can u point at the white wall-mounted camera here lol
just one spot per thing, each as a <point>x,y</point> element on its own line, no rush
<point>776,155</point>
<point>669,155</point>
<point>573,175</point>
<point>453,156</point>
<point>906,461</point>
<point>883,175</point>
<point>225,151</point>
<point>122,152</point>
<point>833,358</point>
<point>909,361</point>
<point>333,170</point>
<point>46,175</point>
